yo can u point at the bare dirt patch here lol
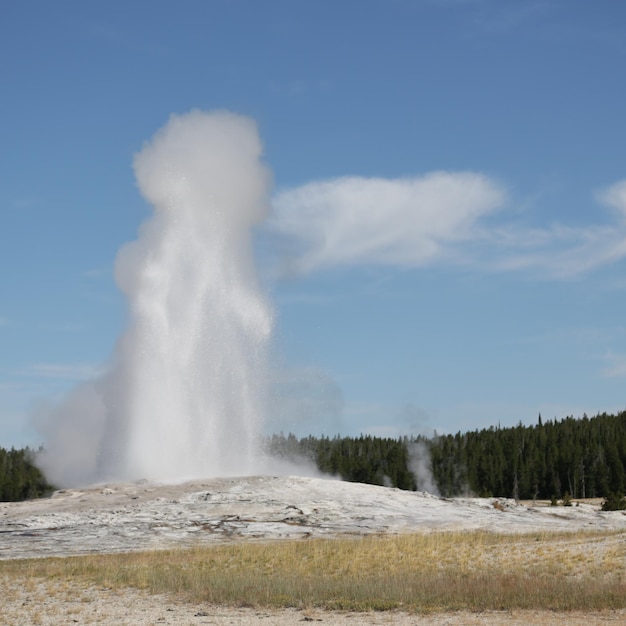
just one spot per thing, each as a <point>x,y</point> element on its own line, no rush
<point>52,603</point>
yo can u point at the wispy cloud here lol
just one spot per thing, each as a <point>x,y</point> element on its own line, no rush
<point>615,197</point>
<point>25,202</point>
<point>9,386</point>
<point>405,222</point>
<point>305,399</point>
<point>616,365</point>
<point>61,371</point>
<point>441,217</point>
<point>562,251</point>
<point>96,273</point>
<point>64,327</point>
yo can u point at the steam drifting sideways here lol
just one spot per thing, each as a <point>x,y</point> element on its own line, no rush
<point>184,395</point>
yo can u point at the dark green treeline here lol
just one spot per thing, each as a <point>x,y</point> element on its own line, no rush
<point>365,459</point>
<point>19,478</point>
<point>585,458</point>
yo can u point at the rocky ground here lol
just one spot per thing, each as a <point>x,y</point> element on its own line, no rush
<point>136,516</point>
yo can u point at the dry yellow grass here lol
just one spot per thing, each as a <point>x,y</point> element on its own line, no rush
<point>422,572</point>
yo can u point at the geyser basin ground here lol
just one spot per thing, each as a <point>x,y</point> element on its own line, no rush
<point>138,516</point>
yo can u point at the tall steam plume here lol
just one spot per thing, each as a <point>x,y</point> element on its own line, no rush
<point>184,393</point>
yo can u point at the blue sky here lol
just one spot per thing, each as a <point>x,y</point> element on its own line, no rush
<point>447,246</point>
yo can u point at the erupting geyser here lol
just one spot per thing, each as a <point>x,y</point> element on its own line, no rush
<point>184,394</point>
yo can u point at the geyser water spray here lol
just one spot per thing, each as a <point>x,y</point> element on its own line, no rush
<point>185,392</point>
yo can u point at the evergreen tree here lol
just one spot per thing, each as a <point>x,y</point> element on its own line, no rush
<point>19,478</point>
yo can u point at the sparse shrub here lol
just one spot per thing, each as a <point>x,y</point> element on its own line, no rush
<point>614,502</point>
<point>567,499</point>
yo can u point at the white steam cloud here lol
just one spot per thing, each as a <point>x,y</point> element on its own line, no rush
<point>420,465</point>
<point>185,392</point>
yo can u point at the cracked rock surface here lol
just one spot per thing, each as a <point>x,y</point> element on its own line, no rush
<point>140,515</point>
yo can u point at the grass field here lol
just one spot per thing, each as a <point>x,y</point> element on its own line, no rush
<point>444,571</point>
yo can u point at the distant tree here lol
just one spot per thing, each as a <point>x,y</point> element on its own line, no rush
<point>614,502</point>
<point>19,478</point>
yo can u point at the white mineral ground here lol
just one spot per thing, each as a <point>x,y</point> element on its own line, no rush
<point>143,516</point>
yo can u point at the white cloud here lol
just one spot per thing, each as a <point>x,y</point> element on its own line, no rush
<point>562,251</point>
<point>404,222</point>
<point>559,251</point>
<point>439,217</point>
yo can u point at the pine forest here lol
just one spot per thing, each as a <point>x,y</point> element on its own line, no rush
<point>573,458</point>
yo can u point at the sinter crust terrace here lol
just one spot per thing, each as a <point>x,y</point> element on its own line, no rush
<point>140,515</point>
